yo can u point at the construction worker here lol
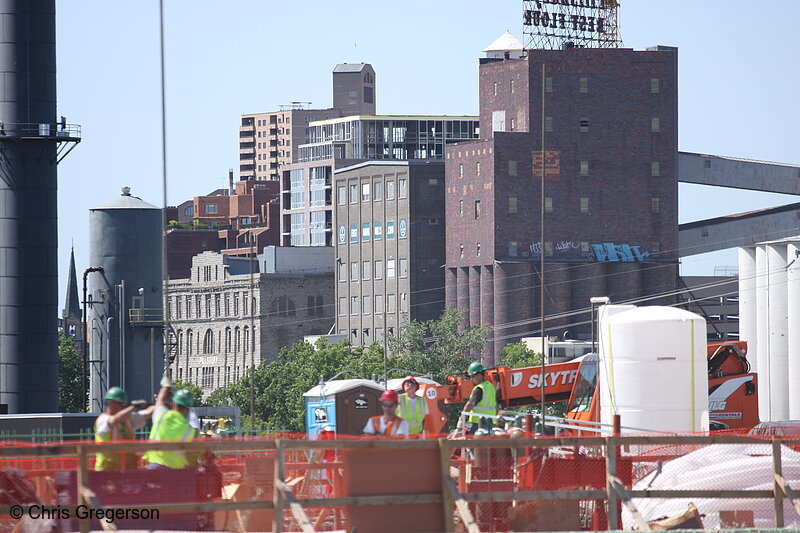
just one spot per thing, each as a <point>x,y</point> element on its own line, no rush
<point>482,401</point>
<point>411,408</point>
<point>118,423</point>
<point>170,424</point>
<point>388,424</point>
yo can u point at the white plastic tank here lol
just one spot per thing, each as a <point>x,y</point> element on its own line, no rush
<point>653,370</point>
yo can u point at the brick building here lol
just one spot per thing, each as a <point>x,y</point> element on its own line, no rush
<point>389,246</point>
<point>215,311</point>
<point>609,165</point>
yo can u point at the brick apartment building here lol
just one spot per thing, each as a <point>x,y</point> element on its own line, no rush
<point>389,246</point>
<point>610,171</point>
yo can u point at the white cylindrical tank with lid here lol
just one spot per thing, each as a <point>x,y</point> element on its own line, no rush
<point>653,370</point>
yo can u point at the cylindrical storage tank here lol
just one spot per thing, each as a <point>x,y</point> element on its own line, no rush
<point>126,317</point>
<point>487,311</point>
<point>793,321</point>
<point>762,333</point>
<point>778,334</point>
<point>653,370</point>
<point>747,303</point>
<point>28,208</point>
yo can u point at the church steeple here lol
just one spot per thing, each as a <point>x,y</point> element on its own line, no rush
<point>72,305</point>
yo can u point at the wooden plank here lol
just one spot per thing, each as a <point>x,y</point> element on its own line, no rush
<point>521,496</point>
<point>297,509</point>
<point>611,472</point>
<point>82,482</point>
<point>689,493</point>
<point>793,495</point>
<point>91,500</point>
<point>277,498</point>
<point>383,499</point>
<point>619,488</point>
<point>447,497</point>
<point>777,470</point>
<point>462,507</point>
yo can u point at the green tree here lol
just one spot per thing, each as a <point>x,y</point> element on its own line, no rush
<point>71,384</point>
<point>438,347</point>
<point>517,355</point>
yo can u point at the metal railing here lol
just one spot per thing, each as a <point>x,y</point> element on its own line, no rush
<point>147,315</point>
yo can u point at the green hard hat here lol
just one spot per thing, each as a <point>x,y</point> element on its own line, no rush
<point>116,394</point>
<point>475,367</point>
<point>183,397</point>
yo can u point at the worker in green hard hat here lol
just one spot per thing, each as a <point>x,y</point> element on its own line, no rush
<point>482,401</point>
<point>117,423</point>
<point>170,424</point>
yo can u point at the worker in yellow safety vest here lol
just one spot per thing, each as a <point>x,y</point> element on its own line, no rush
<point>170,424</point>
<point>412,408</point>
<point>118,423</point>
<point>482,401</point>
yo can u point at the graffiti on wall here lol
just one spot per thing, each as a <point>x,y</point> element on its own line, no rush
<point>610,252</point>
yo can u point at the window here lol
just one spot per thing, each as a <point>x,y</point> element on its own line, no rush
<point>548,204</point>
<point>341,195</point>
<point>366,305</point>
<point>404,302</point>
<point>655,168</point>
<point>655,85</point>
<point>188,211</point>
<point>585,247</point>
<point>390,269</point>
<point>189,341</point>
<point>377,189</point>
<point>461,250</point>
<point>354,271</point>
<point>477,209</point>
<point>342,306</point>
<point>655,125</point>
<point>353,193</point>
<point>391,303</point>
<point>365,192</point>
<point>512,249</point>
<point>548,248</point>
<point>461,207</point>
<point>403,189</point>
<point>404,268</point>
<point>584,124</point>
<point>584,205</point>
<point>460,170</point>
<point>477,168</point>
<point>655,204</point>
<point>378,303</point>
<point>354,305</point>
<point>379,334</point>
<point>390,190</point>
<point>366,270</point>
<point>478,249</point>
<point>379,269</point>
<point>211,209</point>
<point>548,123</point>
<point>494,88</point>
<point>513,124</point>
<point>208,342</point>
<point>584,85</point>
<point>655,247</point>
<point>512,204</point>
<point>342,271</point>
<point>511,87</point>
<point>584,168</point>
<point>512,168</point>
<point>548,84</point>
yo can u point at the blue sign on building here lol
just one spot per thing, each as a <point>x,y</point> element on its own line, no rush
<point>342,234</point>
<point>365,232</point>
<point>390,229</point>
<point>353,233</point>
<point>377,234</point>
<point>403,229</point>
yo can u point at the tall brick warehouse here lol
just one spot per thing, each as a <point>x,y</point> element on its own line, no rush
<point>610,169</point>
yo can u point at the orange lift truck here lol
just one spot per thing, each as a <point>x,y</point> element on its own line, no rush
<point>732,389</point>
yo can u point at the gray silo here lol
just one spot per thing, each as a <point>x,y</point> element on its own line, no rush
<point>30,146</point>
<point>125,318</point>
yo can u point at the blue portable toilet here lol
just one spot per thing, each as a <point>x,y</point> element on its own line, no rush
<point>342,405</point>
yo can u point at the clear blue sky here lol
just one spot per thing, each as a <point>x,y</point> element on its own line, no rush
<point>738,83</point>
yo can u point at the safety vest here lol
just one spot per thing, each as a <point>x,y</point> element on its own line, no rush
<point>391,427</point>
<point>488,403</point>
<point>414,415</point>
<point>114,461</point>
<point>169,425</point>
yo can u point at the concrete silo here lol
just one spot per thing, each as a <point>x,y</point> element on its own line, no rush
<point>125,317</point>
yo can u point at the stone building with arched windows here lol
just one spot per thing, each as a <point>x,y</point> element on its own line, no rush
<point>226,319</point>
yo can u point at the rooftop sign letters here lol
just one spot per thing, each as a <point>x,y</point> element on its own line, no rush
<point>554,24</point>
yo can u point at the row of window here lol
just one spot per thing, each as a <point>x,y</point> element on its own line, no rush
<point>235,341</point>
<point>583,85</point>
<point>374,231</point>
<point>513,205</point>
<point>367,271</point>
<point>211,306</point>
<point>209,377</point>
<point>655,168</point>
<point>367,338</point>
<point>364,304</point>
<point>371,191</point>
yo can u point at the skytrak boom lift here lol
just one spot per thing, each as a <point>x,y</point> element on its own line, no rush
<point>732,388</point>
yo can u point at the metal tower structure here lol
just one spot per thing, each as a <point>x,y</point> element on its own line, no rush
<point>32,141</point>
<point>556,24</point>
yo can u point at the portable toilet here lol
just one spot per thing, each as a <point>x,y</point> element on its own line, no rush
<point>342,405</point>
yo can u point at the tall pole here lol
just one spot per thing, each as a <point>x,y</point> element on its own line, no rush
<point>85,380</point>
<point>541,260</point>
<point>164,270</point>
